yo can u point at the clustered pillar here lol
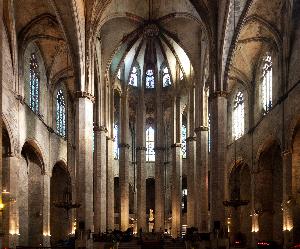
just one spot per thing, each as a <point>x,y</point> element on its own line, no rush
<point>84,169</point>
<point>124,163</point>
<point>141,163</point>
<point>176,167</point>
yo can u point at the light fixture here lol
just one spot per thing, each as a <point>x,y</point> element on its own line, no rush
<point>66,203</point>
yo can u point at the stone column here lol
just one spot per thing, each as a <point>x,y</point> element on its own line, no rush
<point>287,204</point>
<point>218,149</point>
<point>191,161</point>
<point>159,168</point>
<point>110,202</point>
<point>202,178</point>
<point>124,163</point>
<point>176,168</point>
<point>84,167</point>
<point>11,210</point>
<point>141,163</point>
<point>100,169</point>
<point>46,210</point>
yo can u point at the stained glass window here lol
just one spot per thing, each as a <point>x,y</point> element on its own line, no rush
<point>183,141</point>
<point>184,200</point>
<point>150,153</point>
<point>133,77</point>
<point>119,74</point>
<point>34,84</point>
<point>60,114</point>
<point>116,142</point>
<point>238,116</point>
<point>150,78</point>
<point>266,87</point>
<point>166,77</point>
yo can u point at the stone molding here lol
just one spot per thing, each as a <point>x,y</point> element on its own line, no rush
<point>110,138</point>
<point>141,148</point>
<point>82,94</point>
<point>191,139</point>
<point>159,148</point>
<point>217,94</point>
<point>201,128</point>
<point>50,129</point>
<point>100,128</point>
<point>176,145</point>
<point>124,145</point>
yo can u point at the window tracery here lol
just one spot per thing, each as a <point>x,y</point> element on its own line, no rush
<point>183,141</point>
<point>116,141</point>
<point>166,77</point>
<point>60,114</point>
<point>238,116</point>
<point>150,153</point>
<point>34,83</point>
<point>266,86</point>
<point>133,77</point>
<point>150,79</point>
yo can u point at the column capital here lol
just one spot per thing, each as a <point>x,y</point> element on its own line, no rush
<point>20,98</point>
<point>124,145</point>
<point>82,94</point>
<point>110,139</point>
<point>286,153</point>
<point>216,94</point>
<point>191,139</point>
<point>141,148</point>
<point>100,128</point>
<point>201,128</point>
<point>159,148</point>
<point>176,145</point>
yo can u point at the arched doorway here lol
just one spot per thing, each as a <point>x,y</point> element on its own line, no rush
<point>240,188</point>
<point>268,194</point>
<point>296,185</point>
<point>60,189</point>
<point>31,195</point>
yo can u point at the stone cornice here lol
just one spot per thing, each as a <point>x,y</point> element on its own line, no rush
<point>191,139</point>
<point>201,128</point>
<point>81,94</point>
<point>217,94</point>
<point>176,145</point>
<point>100,128</point>
<point>141,148</point>
<point>124,145</point>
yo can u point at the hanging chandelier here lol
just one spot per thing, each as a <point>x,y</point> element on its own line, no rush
<point>66,202</point>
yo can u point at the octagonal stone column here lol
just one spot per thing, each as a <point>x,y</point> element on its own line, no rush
<point>84,167</point>
<point>100,173</point>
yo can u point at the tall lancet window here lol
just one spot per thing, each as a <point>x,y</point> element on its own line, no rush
<point>150,79</point>
<point>150,153</point>
<point>60,113</point>
<point>183,141</point>
<point>166,77</point>
<point>133,77</point>
<point>266,85</point>
<point>119,74</point>
<point>116,142</point>
<point>34,84</point>
<point>238,115</point>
